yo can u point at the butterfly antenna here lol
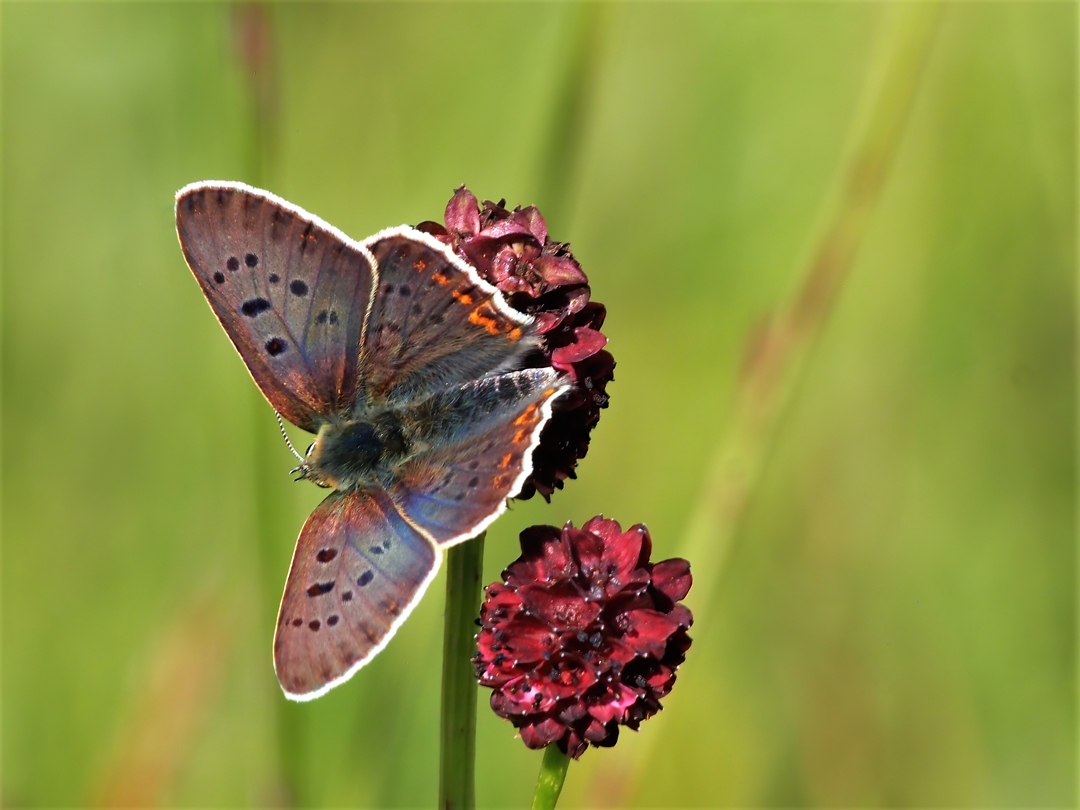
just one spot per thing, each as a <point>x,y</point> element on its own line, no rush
<point>286,437</point>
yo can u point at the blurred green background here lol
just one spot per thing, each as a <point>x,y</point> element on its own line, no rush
<point>893,622</point>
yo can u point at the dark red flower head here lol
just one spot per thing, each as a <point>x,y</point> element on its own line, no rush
<point>541,278</point>
<point>584,635</point>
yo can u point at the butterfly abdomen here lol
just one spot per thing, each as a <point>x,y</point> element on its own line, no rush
<point>357,453</point>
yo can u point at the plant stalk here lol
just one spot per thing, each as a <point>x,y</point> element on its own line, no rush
<point>457,731</point>
<point>550,781</point>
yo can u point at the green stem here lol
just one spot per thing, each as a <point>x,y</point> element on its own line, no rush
<point>457,732</point>
<point>550,781</point>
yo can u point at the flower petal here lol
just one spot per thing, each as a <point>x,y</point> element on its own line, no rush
<point>562,608</point>
<point>621,554</point>
<point>672,578</point>
<point>588,549</point>
<point>463,213</point>
<point>558,271</point>
<point>534,222</point>
<point>538,735</point>
<point>607,529</point>
<point>573,744</point>
<point>596,732</point>
<point>513,229</point>
<point>647,631</point>
<point>586,342</point>
<point>545,557</point>
<point>527,643</point>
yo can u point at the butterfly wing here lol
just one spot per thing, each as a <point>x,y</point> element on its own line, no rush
<point>357,572</point>
<point>454,491</point>
<point>291,292</point>
<point>434,322</point>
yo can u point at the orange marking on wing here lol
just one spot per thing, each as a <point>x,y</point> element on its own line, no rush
<point>419,264</point>
<point>499,481</point>
<point>439,277</point>
<point>505,461</point>
<point>464,298</point>
<point>489,324</point>
<point>525,415</point>
<point>520,436</point>
<point>515,334</point>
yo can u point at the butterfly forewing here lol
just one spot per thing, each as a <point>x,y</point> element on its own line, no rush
<point>434,323</point>
<point>454,492</point>
<point>291,292</point>
<point>357,571</point>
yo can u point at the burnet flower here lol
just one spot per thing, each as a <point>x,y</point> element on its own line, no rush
<point>583,635</point>
<point>540,277</point>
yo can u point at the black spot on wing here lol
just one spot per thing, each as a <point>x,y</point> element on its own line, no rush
<point>233,264</point>
<point>254,307</point>
<point>251,260</point>
<point>298,287</point>
<point>319,588</point>
<point>365,578</point>
<point>219,277</point>
<point>275,346</point>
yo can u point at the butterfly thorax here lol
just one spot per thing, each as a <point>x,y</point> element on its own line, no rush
<point>361,452</point>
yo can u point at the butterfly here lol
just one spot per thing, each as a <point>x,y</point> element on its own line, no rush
<point>413,374</point>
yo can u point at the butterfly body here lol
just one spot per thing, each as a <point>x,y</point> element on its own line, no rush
<point>417,379</point>
<point>357,453</point>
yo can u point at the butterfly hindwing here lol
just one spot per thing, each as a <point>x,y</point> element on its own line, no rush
<point>357,572</point>
<point>434,322</point>
<point>291,292</point>
<point>453,492</point>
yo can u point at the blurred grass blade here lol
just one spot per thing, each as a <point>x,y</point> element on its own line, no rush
<point>255,53</point>
<point>255,46</point>
<point>569,115</point>
<point>776,356</point>
<point>168,709</point>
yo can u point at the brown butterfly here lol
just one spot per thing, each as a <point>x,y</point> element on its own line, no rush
<point>410,371</point>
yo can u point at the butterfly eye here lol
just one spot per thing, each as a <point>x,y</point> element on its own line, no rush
<point>309,449</point>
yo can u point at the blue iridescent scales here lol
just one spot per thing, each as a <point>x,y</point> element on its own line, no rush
<point>408,367</point>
